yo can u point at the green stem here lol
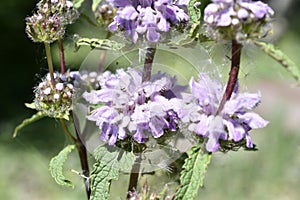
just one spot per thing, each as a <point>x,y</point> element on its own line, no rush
<point>49,61</point>
<point>67,132</point>
<point>233,74</point>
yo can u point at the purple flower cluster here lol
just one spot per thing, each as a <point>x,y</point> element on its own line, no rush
<point>232,124</point>
<point>124,106</point>
<point>130,107</point>
<point>148,17</point>
<point>244,17</point>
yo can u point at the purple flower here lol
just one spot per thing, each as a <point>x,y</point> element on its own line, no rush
<point>240,19</point>
<point>129,107</point>
<point>232,123</point>
<point>147,17</point>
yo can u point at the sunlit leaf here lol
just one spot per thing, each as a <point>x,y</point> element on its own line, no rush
<point>192,176</point>
<point>105,170</point>
<point>193,34</point>
<point>56,166</point>
<point>25,122</point>
<point>77,3</point>
<point>95,4</point>
<point>280,57</point>
<point>104,44</point>
<point>195,15</point>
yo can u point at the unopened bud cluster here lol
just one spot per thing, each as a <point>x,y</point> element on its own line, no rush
<point>240,19</point>
<point>49,22</point>
<point>55,100</point>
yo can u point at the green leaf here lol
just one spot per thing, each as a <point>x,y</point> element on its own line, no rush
<point>280,57</point>
<point>56,166</point>
<point>126,161</point>
<point>104,44</point>
<point>77,3</point>
<point>105,170</point>
<point>194,14</point>
<point>193,34</point>
<point>95,4</point>
<point>30,105</point>
<point>28,121</point>
<point>192,176</point>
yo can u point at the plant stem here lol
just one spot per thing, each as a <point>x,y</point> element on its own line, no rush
<point>84,163</point>
<point>134,175</point>
<point>50,64</point>
<point>148,64</point>
<point>101,62</point>
<point>82,155</point>
<point>62,55</point>
<point>233,74</point>
<point>67,132</point>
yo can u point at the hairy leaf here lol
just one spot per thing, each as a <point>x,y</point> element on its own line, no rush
<point>28,121</point>
<point>56,166</point>
<point>104,44</point>
<point>193,173</point>
<point>105,170</point>
<point>77,3</point>
<point>95,4</point>
<point>280,57</point>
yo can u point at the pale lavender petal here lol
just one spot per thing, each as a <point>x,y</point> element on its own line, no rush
<point>202,127</point>
<point>236,131</point>
<point>156,125</point>
<point>139,136</point>
<point>249,142</point>
<point>216,130</point>
<point>242,102</point>
<point>253,120</point>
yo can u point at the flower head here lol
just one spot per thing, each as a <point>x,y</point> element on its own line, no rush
<point>147,17</point>
<point>48,23</point>
<point>232,124</point>
<point>130,107</point>
<point>239,19</point>
<point>55,101</point>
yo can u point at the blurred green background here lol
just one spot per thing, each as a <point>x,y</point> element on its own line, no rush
<point>270,173</point>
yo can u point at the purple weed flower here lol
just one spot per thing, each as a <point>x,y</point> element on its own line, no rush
<point>232,123</point>
<point>147,17</point>
<point>129,106</point>
<point>239,19</point>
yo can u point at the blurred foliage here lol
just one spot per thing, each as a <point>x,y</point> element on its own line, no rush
<point>270,173</point>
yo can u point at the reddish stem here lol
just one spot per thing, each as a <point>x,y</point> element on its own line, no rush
<point>148,64</point>
<point>233,74</point>
<point>62,56</point>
